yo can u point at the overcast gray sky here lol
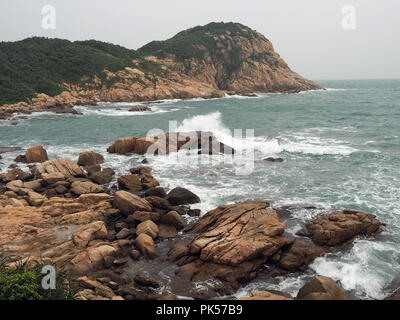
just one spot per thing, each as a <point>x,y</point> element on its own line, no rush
<point>308,34</point>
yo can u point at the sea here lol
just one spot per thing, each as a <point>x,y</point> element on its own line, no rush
<point>340,146</point>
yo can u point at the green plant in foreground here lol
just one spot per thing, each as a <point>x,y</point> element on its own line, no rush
<point>25,283</point>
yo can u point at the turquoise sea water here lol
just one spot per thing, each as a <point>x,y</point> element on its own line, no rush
<point>342,151</point>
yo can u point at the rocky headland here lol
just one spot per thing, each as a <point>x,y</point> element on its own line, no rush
<point>203,62</point>
<point>114,233</point>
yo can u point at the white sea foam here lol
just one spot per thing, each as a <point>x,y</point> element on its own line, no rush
<point>121,112</point>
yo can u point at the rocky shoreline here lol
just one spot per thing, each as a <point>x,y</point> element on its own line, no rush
<point>110,235</point>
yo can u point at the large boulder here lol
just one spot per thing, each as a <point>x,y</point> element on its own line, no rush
<point>86,233</point>
<point>171,142</point>
<point>66,167</point>
<point>90,158</point>
<point>321,288</point>
<point>340,228</point>
<point>179,196</point>
<point>36,154</point>
<point>128,203</point>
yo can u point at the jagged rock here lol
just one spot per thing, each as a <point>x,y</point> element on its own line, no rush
<point>36,154</point>
<point>86,233</point>
<point>148,227</point>
<point>85,187</point>
<point>157,192</point>
<point>95,198</point>
<point>123,234</point>
<point>33,185</point>
<point>180,196</point>
<point>159,203</point>
<point>14,185</point>
<point>141,170</point>
<point>175,219</point>
<point>128,203</point>
<point>90,158</point>
<point>130,182</point>
<point>64,166</point>
<point>321,288</point>
<point>340,228</point>
<point>167,231</point>
<point>148,181</point>
<point>145,215</point>
<point>101,177</point>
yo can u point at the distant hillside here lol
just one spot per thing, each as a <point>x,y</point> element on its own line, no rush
<point>41,65</point>
<point>205,61</point>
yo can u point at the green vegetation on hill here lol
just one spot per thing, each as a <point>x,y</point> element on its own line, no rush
<point>197,41</point>
<point>40,65</point>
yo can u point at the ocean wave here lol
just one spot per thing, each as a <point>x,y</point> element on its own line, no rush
<point>122,112</point>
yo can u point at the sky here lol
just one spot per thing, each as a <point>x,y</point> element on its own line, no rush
<point>316,38</point>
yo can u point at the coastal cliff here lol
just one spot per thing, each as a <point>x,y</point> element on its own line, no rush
<point>209,61</point>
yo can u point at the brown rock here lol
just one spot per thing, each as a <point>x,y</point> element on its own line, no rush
<point>340,228</point>
<point>180,196</point>
<point>321,288</point>
<point>128,203</point>
<point>66,167</point>
<point>146,245</point>
<point>175,219</point>
<point>148,227</point>
<point>85,187</point>
<point>130,182</point>
<point>36,154</point>
<point>90,158</point>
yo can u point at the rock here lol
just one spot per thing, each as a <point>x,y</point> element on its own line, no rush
<point>36,154</point>
<point>33,185</point>
<point>51,178</point>
<point>159,203</point>
<point>93,169</point>
<point>157,192</point>
<point>145,215</point>
<point>340,228</point>
<point>66,167</point>
<point>148,181</point>
<point>35,199</point>
<point>101,177</point>
<point>146,245</point>
<point>128,203</point>
<point>146,281</point>
<point>85,282</point>
<point>175,219</point>
<point>266,295</point>
<point>170,142</point>
<point>321,288</point>
<point>15,202</point>
<point>270,159</point>
<point>85,187</point>
<point>167,231</point>
<point>61,189</point>
<point>86,233</point>
<point>134,254</point>
<point>395,295</point>
<point>90,158</point>
<point>148,227</point>
<point>194,212</point>
<point>179,196</point>
<point>95,198</point>
<point>15,185</point>
<point>139,108</point>
<point>130,182</point>
<point>20,158</point>
<point>169,297</point>
<point>24,176</point>
<point>120,262</point>
<point>141,170</point>
<point>299,255</point>
<point>248,230</point>
<point>124,233</point>
<point>104,291</point>
<point>233,243</point>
